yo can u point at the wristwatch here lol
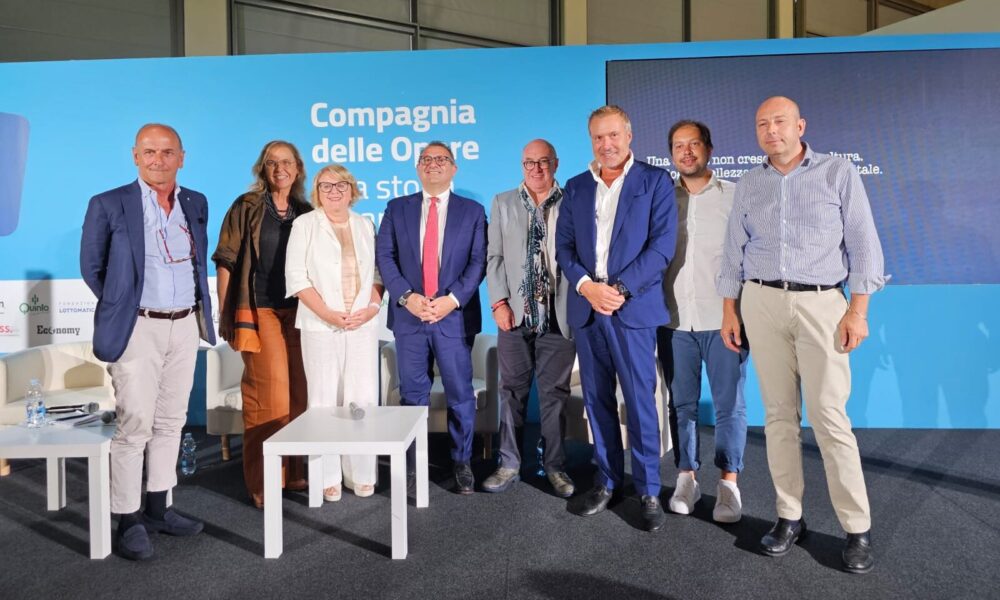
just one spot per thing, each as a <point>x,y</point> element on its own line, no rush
<point>622,290</point>
<point>406,296</point>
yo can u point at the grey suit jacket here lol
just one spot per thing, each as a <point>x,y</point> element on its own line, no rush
<point>506,251</point>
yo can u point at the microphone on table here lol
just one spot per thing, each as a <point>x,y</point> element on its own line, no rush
<point>88,408</point>
<point>84,411</point>
<point>104,417</point>
<point>357,413</point>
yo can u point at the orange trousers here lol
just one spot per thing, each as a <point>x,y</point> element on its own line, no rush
<point>274,393</point>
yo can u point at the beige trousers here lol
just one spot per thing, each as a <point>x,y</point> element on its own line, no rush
<point>342,367</point>
<point>798,357</point>
<point>152,382</point>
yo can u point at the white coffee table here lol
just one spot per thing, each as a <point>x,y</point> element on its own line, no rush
<point>55,444</point>
<point>384,430</point>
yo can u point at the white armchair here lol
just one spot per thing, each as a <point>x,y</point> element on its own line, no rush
<point>223,398</point>
<point>485,385</point>
<point>578,423</point>
<point>69,374</point>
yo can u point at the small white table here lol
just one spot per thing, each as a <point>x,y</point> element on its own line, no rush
<point>384,430</point>
<point>55,444</point>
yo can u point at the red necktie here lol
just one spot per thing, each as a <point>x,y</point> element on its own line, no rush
<point>430,254</point>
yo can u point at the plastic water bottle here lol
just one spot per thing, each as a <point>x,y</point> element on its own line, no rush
<point>35,404</point>
<point>189,462</point>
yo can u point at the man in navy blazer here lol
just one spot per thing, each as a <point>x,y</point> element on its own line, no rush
<point>143,254</point>
<point>431,253</point>
<point>616,233</point>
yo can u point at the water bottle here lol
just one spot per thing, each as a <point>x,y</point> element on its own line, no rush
<point>540,450</point>
<point>34,404</point>
<point>189,462</point>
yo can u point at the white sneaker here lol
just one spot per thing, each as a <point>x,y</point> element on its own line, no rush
<point>686,494</point>
<point>728,505</point>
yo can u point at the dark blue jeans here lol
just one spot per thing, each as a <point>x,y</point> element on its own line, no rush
<point>682,354</point>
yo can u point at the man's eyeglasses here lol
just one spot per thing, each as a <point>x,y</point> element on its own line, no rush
<point>438,160</point>
<point>168,256</point>
<point>273,164</point>
<point>544,164</point>
<point>326,187</point>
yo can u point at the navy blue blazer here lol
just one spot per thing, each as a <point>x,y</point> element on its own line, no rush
<point>642,243</point>
<point>463,262</point>
<point>112,262</point>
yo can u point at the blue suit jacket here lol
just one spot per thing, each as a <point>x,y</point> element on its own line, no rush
<point>642,243</point>
<point>463,262</point>
<point>112,262</point>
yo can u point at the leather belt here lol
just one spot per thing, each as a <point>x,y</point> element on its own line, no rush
<point>791,286</point>
<point>170,316</point>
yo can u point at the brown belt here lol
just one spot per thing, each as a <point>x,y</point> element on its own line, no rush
<point>170,316</point>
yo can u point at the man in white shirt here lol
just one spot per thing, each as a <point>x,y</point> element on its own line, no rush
<point>692,337</point>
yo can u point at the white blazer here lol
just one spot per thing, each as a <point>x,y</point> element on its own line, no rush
<point>313,260</point>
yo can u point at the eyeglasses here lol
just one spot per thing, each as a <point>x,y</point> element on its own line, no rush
<point>544,164</point>
<point>438,160</point>
<point>326,187</point>
<point>168,257</point>
<point>273,164</point>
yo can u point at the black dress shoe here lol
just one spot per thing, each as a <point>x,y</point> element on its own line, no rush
<point>172,523</point>
<point>594,501</point>
<point>781,538</point>
<point>464,481</point>
<point>857,555</point>
<point>133,543</point>
<point>652,514</point>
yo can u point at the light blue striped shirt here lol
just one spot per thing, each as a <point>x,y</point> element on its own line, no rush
<point>166,285</point>
<point>811,226</point>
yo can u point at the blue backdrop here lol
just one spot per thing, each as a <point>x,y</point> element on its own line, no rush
<point>932,360</point>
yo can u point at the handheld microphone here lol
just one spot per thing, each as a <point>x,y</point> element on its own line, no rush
<point>83,411</point>
<point>357,413</point>
<point>104,418</point>
<point>88,408</point>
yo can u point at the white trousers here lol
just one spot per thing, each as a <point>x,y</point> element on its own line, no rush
<point>152,382</point>
<point>342,367</point>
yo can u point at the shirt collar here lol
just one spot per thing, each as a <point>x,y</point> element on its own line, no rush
<point>806,160</point>
<point>442,197</point>
<point>595,167</point>
<point>148,192</point>
<point>712,182</point>
<point>523,189</point>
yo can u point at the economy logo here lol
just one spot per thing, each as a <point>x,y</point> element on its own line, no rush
<point>13,158</point>
<point>34,307</point>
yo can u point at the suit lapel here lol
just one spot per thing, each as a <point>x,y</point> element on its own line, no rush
<point>587,247</point>
<point>132,208</point>
<point>411,223</point>
<point>452,226</point>
<point>633,185</point>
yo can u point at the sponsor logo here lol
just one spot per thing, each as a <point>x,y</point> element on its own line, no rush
<point>7,330</point>
<point>33,307</point>
<point>3,307</point>
<point>47,330</point>
<point>80,307</point>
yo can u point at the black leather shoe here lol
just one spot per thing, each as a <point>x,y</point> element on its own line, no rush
<point>464,481</point>
<point>781,538</point>
<point>172,524</point>
<point>857,555</point>
<point>134,544</point>
<point>594,501</point>
<point>652,514</point>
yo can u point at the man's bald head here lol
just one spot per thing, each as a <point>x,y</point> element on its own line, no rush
<point>148,127</point>
<point>779,131</point>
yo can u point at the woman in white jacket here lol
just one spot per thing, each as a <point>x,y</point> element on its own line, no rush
<point>330,267</point>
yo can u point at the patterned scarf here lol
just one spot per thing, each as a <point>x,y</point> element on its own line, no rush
<point>536,287</point>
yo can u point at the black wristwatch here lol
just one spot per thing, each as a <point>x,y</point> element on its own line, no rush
<point>406,296</point>
<point>622,290</point>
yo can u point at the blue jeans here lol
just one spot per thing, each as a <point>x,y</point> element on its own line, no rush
<point>682,353</point>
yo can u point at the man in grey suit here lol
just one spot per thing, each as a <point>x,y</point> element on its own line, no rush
<point>528,296</point>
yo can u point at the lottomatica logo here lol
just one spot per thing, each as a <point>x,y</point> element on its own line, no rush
<point>33,307</point>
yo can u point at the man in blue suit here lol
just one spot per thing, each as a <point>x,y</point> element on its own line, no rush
<point>431,253</point>
<point>143,253</point>
<point>616,233</point>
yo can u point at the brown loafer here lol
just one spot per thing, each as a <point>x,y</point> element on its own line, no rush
<point>258,500</point>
